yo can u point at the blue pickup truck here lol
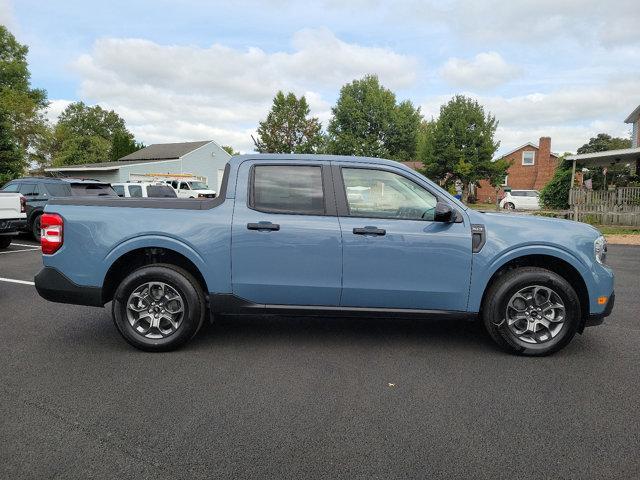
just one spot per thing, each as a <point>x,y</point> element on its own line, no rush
<point>323,235</point>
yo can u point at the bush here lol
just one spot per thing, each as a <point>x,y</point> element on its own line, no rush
<point>555,194</point>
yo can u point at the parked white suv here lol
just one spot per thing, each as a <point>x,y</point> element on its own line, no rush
<point>144,190</point>
<point>521,200</point>
<point>191,189</point>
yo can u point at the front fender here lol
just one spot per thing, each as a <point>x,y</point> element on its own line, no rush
<point>152,241</point>
<point>485,267</point>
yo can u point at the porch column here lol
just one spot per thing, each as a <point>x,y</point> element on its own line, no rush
<point>573,178</point>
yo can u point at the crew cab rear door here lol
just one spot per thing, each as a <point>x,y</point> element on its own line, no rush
<point>395,255</point>
<point>286,245</point>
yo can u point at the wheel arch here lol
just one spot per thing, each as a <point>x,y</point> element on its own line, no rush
<point>135,258</point>
<point>556,264</point>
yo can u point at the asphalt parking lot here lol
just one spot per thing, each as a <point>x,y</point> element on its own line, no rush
<point>296,398</point>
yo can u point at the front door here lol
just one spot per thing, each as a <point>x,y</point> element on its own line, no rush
<point>395,254</point>
<point>286,245</point>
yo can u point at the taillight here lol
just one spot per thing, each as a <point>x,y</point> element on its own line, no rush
<point>51,229</point>
<point>23,204</point>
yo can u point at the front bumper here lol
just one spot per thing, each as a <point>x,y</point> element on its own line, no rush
<point>597,318</point>
<point>56,287</point>
<point>12,226</point>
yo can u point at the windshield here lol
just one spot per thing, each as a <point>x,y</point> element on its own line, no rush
<point>198,186</point>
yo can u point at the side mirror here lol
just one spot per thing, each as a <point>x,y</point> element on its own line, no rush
<point>444,213</point>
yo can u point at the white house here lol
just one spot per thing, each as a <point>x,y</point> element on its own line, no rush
<point>206,159</point>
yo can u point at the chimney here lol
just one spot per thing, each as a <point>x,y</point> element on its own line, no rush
<point>544,151</point>
<point>546,166</point>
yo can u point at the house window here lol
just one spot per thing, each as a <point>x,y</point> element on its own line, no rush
<point>506,181</point>
<point>528,158</point>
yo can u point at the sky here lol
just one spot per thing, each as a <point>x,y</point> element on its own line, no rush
<point>196,69</point>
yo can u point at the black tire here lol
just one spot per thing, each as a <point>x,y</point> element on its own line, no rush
<point>5,241</point>
<point>35,227</point>
<point>509,206</point>
<point>183,283</point>
<point>501,291</point>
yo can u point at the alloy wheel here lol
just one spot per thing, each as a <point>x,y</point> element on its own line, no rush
<point>155,310</point>
<point>535,314</point>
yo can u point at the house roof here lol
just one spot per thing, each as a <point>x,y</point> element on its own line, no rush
<point>164,151</point>
<point>103,166</point>
<point>608,157</point>
<point>528,144</point>
<point>153,153</point>
<point>633,116</point>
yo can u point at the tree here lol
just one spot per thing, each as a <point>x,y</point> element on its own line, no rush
<point>603,142</point>
<point>12,163</point>
<point>122,144</point>
<point>22,105</point>
<point>367,121</point>
<point>555,194</point>
<point>230,150</point>
<point>101,134</point>
<point>288,127</point>
<point>461,146</point>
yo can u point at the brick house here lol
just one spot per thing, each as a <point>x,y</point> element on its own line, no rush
<point>531,168</point>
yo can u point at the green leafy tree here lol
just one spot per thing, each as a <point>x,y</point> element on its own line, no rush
<point>603,142</point>
<point>12,162</point>
<point>101,132</point>
<point>23,107</point>
<point>123,143</point>
<point>230,150</point>
<point>288,127</point>
<point>555,194</point>
<point>461,146</point>
<point>368,121</point>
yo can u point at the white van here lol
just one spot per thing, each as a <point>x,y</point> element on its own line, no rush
<point>144,190</point>
<point>191,189</point>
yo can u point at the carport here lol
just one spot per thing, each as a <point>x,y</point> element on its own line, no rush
<point>619,206</point>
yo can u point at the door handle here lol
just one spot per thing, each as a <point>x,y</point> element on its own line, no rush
<point>369,231</point>
<point>263,226</point>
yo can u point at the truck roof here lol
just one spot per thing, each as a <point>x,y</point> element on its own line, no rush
<point>315,157</point>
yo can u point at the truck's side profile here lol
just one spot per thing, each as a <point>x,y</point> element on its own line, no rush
<point>323,235</point>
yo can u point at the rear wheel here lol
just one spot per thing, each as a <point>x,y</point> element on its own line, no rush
<point>35,228</point>
<point>5,242</point>
<point>158,307</point>
<point>531,311</point>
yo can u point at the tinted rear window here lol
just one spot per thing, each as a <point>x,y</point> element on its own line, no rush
<point>84,189</point>
<point>161,191</point>
<point>58,189</point>
<point>119,189</point>
<point>288,189</point>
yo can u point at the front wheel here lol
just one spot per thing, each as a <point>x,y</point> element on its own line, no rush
<point>158,307</point>
<point>531,311</point>
<point>509,206</point>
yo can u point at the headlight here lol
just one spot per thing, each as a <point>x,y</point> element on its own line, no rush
<point>600,249</point>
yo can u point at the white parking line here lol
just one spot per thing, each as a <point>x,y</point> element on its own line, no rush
<point>21,250</point>
<point>26,245</point>
<point>11,280</point>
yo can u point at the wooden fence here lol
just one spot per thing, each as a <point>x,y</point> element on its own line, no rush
<point>612,207</point>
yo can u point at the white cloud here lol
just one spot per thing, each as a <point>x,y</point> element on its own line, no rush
<point>168,92</point>
<point>55,108</point>
<point>485,70</point>
<point>570,115</point>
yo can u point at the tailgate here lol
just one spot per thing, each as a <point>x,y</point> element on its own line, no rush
<point>10,206</point>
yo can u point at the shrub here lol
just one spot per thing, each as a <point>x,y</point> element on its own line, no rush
<point>555,194</point>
